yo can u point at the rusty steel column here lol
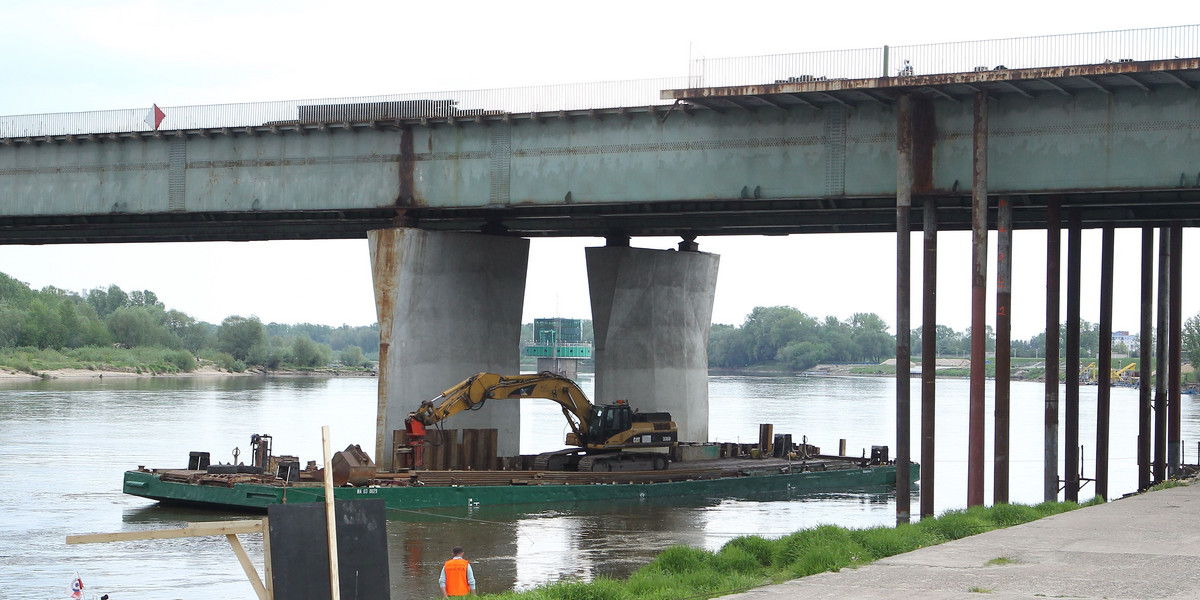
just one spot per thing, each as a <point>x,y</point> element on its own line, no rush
<point>1174,352</point>
<point>979,216</point>
<point>904,183</point>
<point>1145,342</point>
<point>1071,451</point>
<point>1053,298</point>
<point>1160,355</point>
<point>1003,347</point>
<point>928,356</point>
<point>1104,360</point>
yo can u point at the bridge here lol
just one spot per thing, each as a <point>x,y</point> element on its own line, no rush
<point>1102,128</point>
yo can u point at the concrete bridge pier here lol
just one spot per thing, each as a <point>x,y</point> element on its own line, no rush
<point>651,314</point>
<point>449,306</point>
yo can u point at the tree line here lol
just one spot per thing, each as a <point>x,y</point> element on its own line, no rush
<point>776,336</point>
<point>52,318</point>
<point>785,337</point>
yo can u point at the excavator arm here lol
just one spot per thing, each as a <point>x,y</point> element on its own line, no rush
<point>606,438</point>
<point>471,393</point>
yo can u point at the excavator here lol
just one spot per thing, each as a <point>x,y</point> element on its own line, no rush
<point>606,437</point>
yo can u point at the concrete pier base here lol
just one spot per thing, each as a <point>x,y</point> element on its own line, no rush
<point>449,306</point>
<point>651,314</point>
<point>567,367</point>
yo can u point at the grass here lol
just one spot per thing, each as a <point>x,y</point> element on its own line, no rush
<point>980,590</point>
<point>1170,483</point>
<point>753,561</point>
<point>1001,560</point>
<point>141,359</point>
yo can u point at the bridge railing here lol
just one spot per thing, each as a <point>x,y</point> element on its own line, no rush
<point>1013,53</point>
<point>955,57</point>
<point>462,104</point>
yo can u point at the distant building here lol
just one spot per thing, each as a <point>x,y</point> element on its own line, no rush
<point>558,346</point>
<point>1124,337</point>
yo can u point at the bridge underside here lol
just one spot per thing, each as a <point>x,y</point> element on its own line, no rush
<point>667,218</point>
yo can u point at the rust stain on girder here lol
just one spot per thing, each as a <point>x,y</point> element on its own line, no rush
<point>407,169</point>
<point>924,137</point>
<point>916,81</point>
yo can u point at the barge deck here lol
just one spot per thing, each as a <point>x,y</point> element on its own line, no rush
<point>724,477</point>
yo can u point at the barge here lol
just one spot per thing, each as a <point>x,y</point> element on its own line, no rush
<point>701,472</point>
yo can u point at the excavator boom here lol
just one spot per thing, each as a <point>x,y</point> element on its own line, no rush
<point>471,394</point>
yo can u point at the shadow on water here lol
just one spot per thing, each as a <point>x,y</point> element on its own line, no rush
<point>177,515</point>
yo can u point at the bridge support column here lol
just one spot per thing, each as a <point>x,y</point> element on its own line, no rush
<point>449,306</point>
<point>1053,299</point>
<point>1104,360</point>
<point>1160,355</point>
<point>1175,353</point>
<point>1071,433</point>
<point>979,218</point>
<point>1145,357</point>
<point>928,358</point>
<point>1000,474</point>
<point>904,184</point>
<point>651,313</point>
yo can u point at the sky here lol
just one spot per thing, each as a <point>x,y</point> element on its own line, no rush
<point>69,56</point>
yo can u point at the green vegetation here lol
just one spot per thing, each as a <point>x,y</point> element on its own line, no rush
<point>150,359</point>
<point>1168,484</point>
<point>979,590</point>
<point>779,338</point>
<point>752,561</point>
<point>1191,340</point>
<point>1001,560</point>
<point>108,329</point>
<point>784,337</point>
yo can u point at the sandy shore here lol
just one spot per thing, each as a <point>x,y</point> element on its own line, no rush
<point>207,371</point>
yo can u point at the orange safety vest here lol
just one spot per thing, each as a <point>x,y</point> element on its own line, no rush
<point>456,577</point>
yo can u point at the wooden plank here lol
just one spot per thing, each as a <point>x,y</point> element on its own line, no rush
<point>466,459</point>
<point>491,445</point>
<point>267,559</point>
<point>247,566</point>
<point>192,530</point>
<point>435,448</point>
<point>335,588</point>
<point>449,450</point>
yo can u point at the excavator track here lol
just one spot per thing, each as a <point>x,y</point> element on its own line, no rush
<point>622,461</point>
<point>560,460</point>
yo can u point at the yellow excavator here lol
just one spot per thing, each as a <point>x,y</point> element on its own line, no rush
<point>605,437</point>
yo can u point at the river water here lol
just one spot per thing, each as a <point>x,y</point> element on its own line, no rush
<point>64,445</point>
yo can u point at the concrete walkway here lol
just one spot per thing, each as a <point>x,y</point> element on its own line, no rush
<point>1145,546</point>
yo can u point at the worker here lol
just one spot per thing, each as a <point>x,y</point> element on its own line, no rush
<point>457,579</point>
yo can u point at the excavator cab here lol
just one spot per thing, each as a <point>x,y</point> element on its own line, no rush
<point>607,421</point>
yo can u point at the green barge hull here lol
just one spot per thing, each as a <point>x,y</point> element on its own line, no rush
<point>257,496</point>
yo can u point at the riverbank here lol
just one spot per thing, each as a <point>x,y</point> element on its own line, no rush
<point>11,375</point>
<point>1136,547</point>
<point>1022,369</point>
<point>748,562</point>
